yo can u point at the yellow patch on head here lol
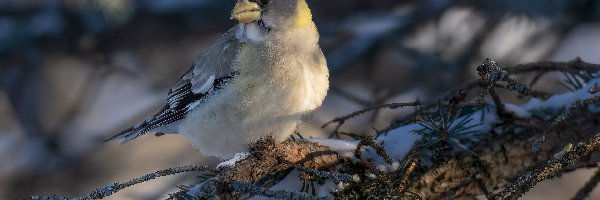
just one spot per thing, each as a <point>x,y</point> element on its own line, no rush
<point>303,15</point>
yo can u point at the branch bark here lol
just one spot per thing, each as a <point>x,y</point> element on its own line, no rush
<point>503,157</point>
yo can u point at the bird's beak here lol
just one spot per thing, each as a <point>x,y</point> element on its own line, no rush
<point>246,12</point>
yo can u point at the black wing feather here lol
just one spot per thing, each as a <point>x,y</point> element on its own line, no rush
<point>173,111</point>
<point>216,61</point>
<point>176,109</point>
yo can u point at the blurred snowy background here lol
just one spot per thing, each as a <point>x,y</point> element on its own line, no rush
<point>73,72</point>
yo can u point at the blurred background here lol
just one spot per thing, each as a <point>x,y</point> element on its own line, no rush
<point>74,72</point>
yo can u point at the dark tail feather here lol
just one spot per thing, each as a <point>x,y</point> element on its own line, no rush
<point>163,124</point>
<point>130,133</point>
<point>161,119</point>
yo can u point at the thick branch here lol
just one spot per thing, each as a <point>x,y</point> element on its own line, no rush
<point>504,156</point>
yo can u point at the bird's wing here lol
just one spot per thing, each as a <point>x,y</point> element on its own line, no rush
<point>210,71</point>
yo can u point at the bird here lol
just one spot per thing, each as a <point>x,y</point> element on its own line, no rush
<point>261,78</point>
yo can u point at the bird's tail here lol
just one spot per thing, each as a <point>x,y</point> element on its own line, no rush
<point>143,128</point>
<point>130,133</point>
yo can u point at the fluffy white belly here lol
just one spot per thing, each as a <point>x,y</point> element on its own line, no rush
<point>236,116</point>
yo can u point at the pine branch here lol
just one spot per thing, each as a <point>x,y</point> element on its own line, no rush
<point>503,156</point>
<point>368,141</point>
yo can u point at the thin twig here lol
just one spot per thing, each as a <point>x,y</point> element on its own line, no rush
<point>411,166</point>
<point>112,188</point>
<point>551,169</point>
<point>278,194</point>
<point>589,186</point>
<point>334,176</point>
<point>577,105</point>
<point>574,66</point>
<point>341,120</point>
<point>368,141</point>
<point>536,78</point>
<point>523,90</point>
<point>351,97</point>
<point>594,89</point>
<point>500,109</point>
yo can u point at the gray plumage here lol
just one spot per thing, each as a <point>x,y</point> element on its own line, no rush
<point>211,70</point>
<point>258,79</point>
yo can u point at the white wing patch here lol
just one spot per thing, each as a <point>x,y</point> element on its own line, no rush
<point>204,88</point>
<point>206,76</point>
<point>194,105</point>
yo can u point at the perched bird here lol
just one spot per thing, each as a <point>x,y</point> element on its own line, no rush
<point>259,79</point>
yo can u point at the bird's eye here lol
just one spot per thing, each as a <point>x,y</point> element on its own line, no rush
<point>260,3</point>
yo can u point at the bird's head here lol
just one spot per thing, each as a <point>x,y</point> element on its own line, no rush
<point>273,14</point>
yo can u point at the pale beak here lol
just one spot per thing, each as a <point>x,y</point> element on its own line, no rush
<point>246,12</point>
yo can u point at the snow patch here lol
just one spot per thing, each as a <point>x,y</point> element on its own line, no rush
<point>556,103</point>
<point>236,158</point>
<point>517,110</point>
<point>292,182</point>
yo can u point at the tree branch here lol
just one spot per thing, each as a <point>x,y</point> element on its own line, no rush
<point>551,169</point>
<point>112,188</point>
<point>505,155</point>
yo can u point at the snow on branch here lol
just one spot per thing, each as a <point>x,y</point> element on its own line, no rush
<point>451,149</point>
